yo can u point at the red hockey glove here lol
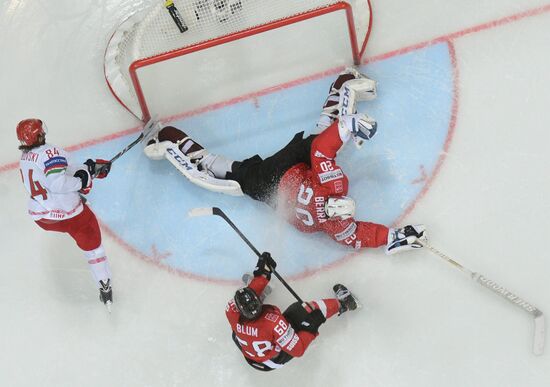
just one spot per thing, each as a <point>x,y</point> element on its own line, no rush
<point>99,168</point>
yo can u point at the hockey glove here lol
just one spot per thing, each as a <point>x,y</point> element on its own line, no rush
<point>265,266</point>
<point>313,321</point>
<point>98,168</point>
<point>86,179</point>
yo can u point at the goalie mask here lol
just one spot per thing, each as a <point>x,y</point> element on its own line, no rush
<point>248,303</point>
<point>342,207</point>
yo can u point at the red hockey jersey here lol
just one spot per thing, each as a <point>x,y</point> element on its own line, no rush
<point>304,190</point>
<point>264,338</point>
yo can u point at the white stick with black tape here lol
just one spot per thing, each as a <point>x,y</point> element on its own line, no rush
<point>539,334</point>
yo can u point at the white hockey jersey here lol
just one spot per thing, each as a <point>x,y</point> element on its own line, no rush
<point>48,178</point>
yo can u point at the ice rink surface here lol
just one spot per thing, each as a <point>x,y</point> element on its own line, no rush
<point>462,147</point>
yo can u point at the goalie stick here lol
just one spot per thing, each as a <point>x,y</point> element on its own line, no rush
<point>539,335</point>
<point>217,211</point>
<point>147,129</point>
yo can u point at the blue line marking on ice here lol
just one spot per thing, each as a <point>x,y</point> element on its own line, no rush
<point>145,202</point>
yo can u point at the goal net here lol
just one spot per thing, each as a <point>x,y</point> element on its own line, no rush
<point>174,57</point>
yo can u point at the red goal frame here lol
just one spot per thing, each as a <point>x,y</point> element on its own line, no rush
<point>357,52</point>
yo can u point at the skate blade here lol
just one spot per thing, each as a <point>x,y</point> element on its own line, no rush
<point>108,306</point>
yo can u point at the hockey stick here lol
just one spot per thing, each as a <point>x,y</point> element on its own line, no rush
<point>216,211</point>
<point>147,129</point>
<point>539,335</point>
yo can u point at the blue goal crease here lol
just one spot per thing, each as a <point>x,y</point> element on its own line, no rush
<point>145,202</point>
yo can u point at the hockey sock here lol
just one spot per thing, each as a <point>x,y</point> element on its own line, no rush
<point>97,260</point>
<point>329,306</point>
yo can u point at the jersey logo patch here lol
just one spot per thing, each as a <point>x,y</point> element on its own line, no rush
<point>330,175</point>
<point>55,165</point>
<point>349,231</point>
<point>271,317</point>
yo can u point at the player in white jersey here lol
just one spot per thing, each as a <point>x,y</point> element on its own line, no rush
<point>55,186</point>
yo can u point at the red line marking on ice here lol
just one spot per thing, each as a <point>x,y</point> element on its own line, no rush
<point>448,140</point>
<point>157,256</point>
<point>133,251</point>
<point>423,176</point>
<point>455,35</point>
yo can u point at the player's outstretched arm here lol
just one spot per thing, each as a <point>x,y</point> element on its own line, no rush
<point>357,234</point>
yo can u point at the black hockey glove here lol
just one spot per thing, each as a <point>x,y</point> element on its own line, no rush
<point>313,321</point>
<point>98,168</point>
<point>265,266</point>
<point>86,179</point>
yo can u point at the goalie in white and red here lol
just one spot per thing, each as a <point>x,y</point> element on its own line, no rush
<point>55,186</point>
<point>302,180</point>
<point>269,338</point>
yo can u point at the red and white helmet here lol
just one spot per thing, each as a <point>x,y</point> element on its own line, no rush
<point>29,130</point>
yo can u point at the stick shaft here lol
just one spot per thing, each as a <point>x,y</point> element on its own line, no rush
<point>540,329</point>
<point>220,213</point>
<point>487,283</point>
<point>147,128</point>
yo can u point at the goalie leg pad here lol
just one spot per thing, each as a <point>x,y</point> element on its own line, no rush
<point>190,170</point>
<point>350,86</point>
<point>168,136</point>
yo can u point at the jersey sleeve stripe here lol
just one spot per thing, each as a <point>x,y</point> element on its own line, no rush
<point>322,306</point>
<point>55,165</point>
<point>349,231</point>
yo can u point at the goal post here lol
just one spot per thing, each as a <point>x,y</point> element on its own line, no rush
<point>229,48</point>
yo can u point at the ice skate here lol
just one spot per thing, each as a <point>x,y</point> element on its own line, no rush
<point>406,238</point>
<point>347,300</point>
<point>106,294</point>
<point>247,278</point>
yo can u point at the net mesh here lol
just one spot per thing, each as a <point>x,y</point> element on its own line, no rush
<point>206,19</point>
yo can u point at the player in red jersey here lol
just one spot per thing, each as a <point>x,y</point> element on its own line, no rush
<point>268,338</point>
<point>302,180</point>
<point>55,187</point>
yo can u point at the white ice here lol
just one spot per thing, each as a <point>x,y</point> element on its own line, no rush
<point>423,323</point>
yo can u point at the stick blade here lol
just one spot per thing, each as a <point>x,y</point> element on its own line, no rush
<point>151,128</point>
<point>200,211</point>
<point>540,333</point>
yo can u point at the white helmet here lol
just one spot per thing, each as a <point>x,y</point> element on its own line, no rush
<point>340,206</point>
